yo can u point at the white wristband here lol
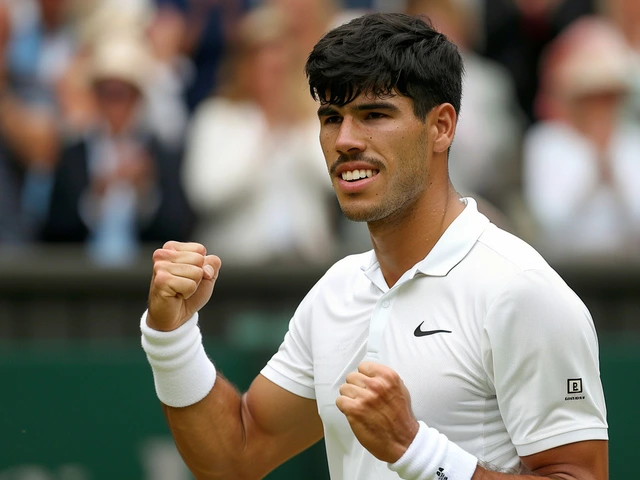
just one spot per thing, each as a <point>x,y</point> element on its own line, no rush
<point>182,372</point>
<point>431,456</point>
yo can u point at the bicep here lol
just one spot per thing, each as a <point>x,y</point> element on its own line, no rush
<point>586,460</point>
<point>279,423</point>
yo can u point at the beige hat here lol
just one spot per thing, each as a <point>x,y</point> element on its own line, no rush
<point>125,58</point>
<point>112,18</point>
<point>596,60</point>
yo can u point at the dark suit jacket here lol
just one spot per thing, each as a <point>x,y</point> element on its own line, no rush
<point>173,220</point>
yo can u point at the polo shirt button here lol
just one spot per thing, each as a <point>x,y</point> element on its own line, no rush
<point>385,304</point>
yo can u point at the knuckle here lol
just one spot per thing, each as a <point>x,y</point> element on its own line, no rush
<point>200,249</point>
<point>198,260</point>
<point>161,276</point>
<point>158,254</point>
<point>394,376</point>
<point>359,409</point>
<point>191,286</point>
<point>163,254</point>
<point>159,266</point>
<point>377,385</point>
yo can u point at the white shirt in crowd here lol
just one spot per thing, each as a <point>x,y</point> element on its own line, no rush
<point>259,193</point>
<point>576,211</point>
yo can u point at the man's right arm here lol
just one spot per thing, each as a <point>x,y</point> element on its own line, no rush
<point>225,434</point>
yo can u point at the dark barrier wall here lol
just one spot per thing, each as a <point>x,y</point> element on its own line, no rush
<point>77,399</point>
<point>80,412</point>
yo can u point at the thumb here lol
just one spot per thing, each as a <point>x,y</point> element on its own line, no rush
<point>211,267</point>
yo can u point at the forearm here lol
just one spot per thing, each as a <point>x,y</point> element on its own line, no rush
<point>219,433</point>
<point>485,472</point>
<point>554,472</point>
<point>211,435</point>
<point>431,456</point>
<point>203,410</point>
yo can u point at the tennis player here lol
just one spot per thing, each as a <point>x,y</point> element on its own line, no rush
<point>451,351</point>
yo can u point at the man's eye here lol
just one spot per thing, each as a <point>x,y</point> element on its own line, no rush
<point>375,115</point>
<point>332,119</point>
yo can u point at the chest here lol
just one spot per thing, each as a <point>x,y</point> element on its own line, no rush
<point>423,331</point>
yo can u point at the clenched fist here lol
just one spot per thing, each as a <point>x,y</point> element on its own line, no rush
<point>377,405</point>
<point>182,283</point>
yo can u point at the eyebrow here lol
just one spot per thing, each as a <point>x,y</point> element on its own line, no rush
<point>330,110</point>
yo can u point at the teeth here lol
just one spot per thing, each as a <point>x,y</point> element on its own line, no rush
<point>357,174</point>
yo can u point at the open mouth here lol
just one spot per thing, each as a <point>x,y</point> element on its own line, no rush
<point>355,175</point>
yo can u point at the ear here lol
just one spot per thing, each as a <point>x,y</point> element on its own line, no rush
<point>443,120</point>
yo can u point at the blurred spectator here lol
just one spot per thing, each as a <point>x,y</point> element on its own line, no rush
<point>210,23</point>
<point>117,185</point>
<point>168,113</point>
<point>42,44</point>
<point>309,20</point>
<point>254,169</point>
<point>34,45</point>
<point>485,156</point>
<point>165,112</point>
<point>626,15</point>
<point>582,168</point>
<point>10,219</point>
<point>516,32</point>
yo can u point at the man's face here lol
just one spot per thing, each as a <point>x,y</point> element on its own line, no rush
<point>377,152</point>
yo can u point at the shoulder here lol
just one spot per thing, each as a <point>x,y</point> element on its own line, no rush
<point>510,268</point>
<point>217,107</point>
<point>344,273</point>
<point>338,282</point>
<point>226,122</point>
<point>528,290</point>
<point>507,250</point>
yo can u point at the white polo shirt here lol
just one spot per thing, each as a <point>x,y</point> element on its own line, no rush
<point>498,353</point>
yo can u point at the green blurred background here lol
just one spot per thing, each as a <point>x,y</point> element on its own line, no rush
<point>77,399</point>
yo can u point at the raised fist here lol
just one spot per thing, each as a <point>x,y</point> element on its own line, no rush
<point>182,283</point>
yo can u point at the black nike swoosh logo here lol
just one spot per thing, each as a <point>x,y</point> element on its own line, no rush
<point>422,333</point>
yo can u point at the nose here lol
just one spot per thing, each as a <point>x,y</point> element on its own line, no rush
<point>350,138</point>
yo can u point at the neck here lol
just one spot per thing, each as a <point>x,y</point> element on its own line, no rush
<point>402,241</point>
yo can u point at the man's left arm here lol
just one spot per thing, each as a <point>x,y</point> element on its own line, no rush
<point>377,405</point>
<point>587,460</point>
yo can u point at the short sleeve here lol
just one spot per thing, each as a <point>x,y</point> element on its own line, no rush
<point>541,353</point>
<point>292,366</point>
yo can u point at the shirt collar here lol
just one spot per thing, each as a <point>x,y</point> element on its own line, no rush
<point>454,244</point>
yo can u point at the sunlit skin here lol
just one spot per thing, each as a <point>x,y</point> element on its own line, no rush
<point>409,202</point>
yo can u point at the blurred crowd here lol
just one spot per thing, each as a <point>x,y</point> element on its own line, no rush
<point>126,123</point>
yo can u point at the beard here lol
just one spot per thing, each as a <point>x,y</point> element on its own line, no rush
<point>393,206</point>
<point>401,191</point>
